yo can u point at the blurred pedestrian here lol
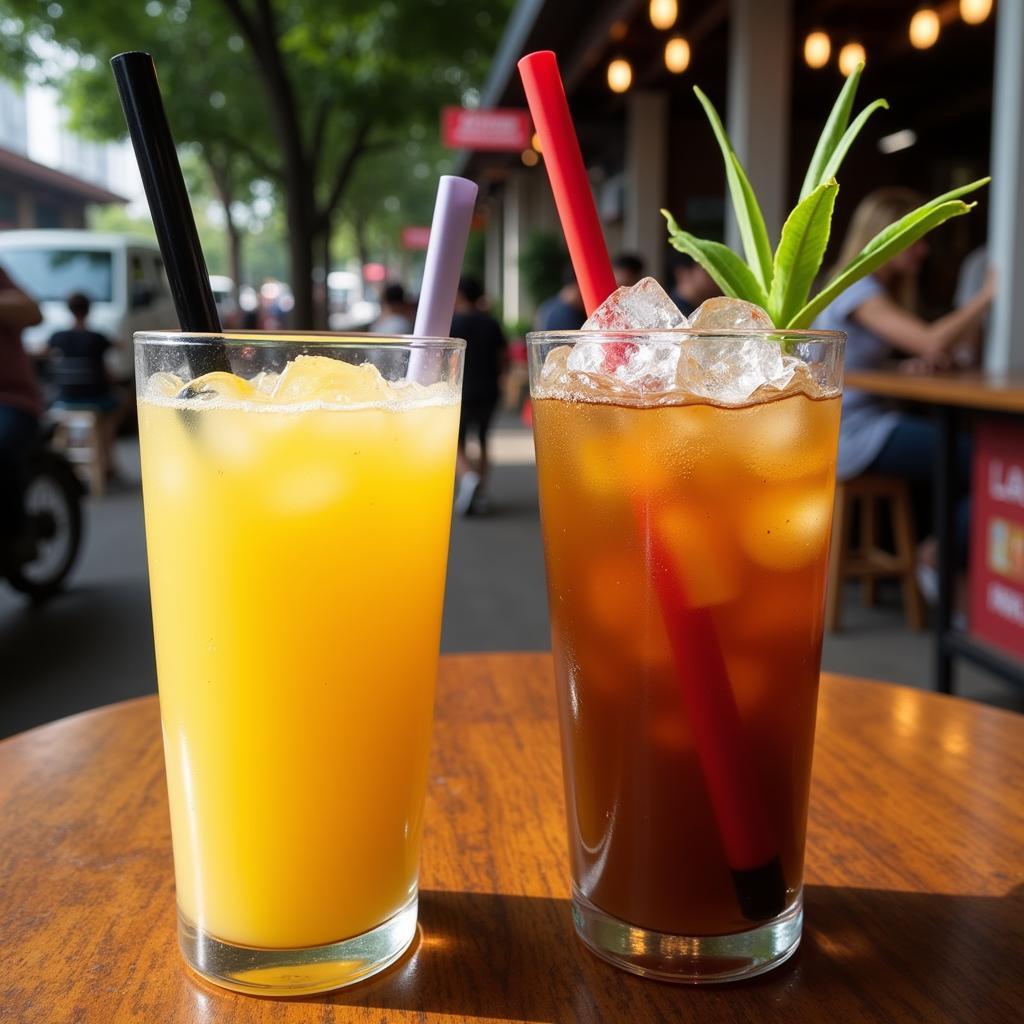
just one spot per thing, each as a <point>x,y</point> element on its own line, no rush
<point>481,383</point>
<point>78,367</point>
<point>395,314</point>
<point>877,314</point>
<point>563,311</point>
<point>21,406</point>
<point>628,268</point>
<point>691,284</point>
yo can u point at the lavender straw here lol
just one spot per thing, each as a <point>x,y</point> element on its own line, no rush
<point>449,232</point>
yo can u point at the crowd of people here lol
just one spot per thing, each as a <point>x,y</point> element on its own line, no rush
<point>877,314</point>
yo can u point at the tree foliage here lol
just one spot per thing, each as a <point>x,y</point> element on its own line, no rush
<point>298,92</point>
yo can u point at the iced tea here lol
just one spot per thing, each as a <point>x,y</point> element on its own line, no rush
<point>667,525</point>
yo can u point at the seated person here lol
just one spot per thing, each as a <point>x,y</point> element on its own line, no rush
<point>77,360</point>
<point>876,313</point>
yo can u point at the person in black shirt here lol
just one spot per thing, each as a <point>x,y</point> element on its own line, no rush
<point>77,362</point>
<point>485,357</point>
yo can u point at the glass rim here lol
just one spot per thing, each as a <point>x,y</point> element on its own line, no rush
<point>337,339</point>
<point>681,333</point>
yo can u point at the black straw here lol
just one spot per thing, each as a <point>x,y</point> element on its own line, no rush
<point>139,91</point>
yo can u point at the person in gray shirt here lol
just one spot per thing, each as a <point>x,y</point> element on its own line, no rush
<point>876,313</point>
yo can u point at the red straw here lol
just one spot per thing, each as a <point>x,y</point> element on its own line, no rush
<point>545,95</point>
<point>711,707</point>
<point>730,775</point>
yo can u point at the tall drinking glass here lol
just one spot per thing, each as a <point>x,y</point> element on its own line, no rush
<point>686,533</point>
<point>297,521</point>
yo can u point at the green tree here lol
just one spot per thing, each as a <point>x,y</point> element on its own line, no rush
<point>303,90</point>
<point>390,189</point>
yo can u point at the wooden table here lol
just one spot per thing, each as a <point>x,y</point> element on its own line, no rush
<point>950,398</point>
<point>915,902</point>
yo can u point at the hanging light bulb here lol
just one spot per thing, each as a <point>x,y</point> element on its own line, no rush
<point>817,49</point>
<point>529,157</point>
<point>850,56</point>
<point>974,12</point>
<point>924,29</point>
<point>663,13</point>
<point>677,55</point>
<point>620,75</point>
<point>535,141</point>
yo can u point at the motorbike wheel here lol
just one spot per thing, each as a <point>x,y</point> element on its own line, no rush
<point>54,508</point>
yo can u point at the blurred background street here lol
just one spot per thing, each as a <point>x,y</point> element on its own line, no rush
<point>312,165</point>
<point>93,645</point>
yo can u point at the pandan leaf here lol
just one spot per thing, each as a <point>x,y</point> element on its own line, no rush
<point>839,153</point>
<point>801,250</point>
<point>729,272</point>
<point>753,232</point>
<point>885,245</point>
<point>835,128</point>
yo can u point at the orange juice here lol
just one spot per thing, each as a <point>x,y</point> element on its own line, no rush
<point>297,554</point>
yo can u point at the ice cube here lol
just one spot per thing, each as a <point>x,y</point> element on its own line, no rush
<point>703,554</point>
<point>645,305</point>
<point>554,372</point>
<point>730,370</point>
<point>265,381</point>
<point>221,385</point>
<point>649,366</point>
<point>786,528</point>
<point>637,364</point>
<point>726,314</point>
<point>163,385</point>
<point>321,379</point>
<point>587,357</point>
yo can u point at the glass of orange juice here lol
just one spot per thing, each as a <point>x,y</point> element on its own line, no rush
<point>297,501</point>
<point>686,487</point>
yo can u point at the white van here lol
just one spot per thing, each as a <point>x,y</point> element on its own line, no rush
<point>123,276</point>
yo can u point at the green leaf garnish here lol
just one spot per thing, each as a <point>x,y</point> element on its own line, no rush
<point>753,233</point>
<point>835,161</point>
<point>781,284</point>
<point>800,252</point>
<point>835,128</point>
<point>886,244</point>
<point>729,272</point>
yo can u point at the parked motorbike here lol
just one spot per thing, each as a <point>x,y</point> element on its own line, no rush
<point>53,503</point>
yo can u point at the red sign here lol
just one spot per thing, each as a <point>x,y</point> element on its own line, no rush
<point>415,237</point>
<point>499,129</point>
<point>997,536</point>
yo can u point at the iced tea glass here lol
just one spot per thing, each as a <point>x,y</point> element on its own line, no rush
<point>297,496</point>
<point>686,535</point>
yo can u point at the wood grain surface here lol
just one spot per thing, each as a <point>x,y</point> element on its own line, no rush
<point>993,392</point>
<point>915,901</point>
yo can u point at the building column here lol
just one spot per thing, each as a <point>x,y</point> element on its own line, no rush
<point>758,115</point>
<point>1005,344</point>
<point>646,170</point>
<point>492,249</point>
<point>513,231</point>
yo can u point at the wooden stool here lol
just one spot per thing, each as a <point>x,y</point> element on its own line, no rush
<point>867,561</point>
<point>78,433</point>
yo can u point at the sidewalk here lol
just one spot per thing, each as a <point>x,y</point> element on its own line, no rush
<point>94,645</point>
